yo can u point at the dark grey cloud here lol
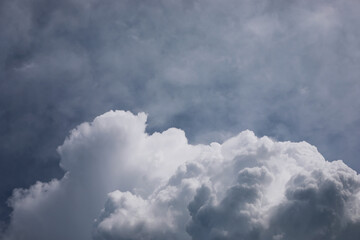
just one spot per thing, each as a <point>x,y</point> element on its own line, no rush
<point>283,69</point>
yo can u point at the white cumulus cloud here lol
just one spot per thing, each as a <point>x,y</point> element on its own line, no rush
<point>122,183</point>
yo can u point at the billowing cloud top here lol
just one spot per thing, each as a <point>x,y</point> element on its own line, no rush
<point>122,183</point>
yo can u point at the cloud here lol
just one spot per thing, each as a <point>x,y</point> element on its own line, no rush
<point>122,183</point>
<point>286,69</point>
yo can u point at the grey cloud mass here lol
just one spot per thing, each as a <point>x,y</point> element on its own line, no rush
<point>122,183</point>
<point>284,69</point>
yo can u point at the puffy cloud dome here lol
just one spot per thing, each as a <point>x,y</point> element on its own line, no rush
<point>122,183</point>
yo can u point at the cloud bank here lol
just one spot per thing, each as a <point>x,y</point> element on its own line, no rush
<point>122,183</point>
<point>286,69</point>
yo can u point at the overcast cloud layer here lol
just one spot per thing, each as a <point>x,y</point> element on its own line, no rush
<point>122,183</point>
<point>285,69</point>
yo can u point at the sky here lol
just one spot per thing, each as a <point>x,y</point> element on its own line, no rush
<point>193,76</point>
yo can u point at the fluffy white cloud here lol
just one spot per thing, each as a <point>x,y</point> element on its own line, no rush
<point>122,183</point>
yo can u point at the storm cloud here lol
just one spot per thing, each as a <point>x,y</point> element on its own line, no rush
<point>122,183</point>
<point>285,69</point>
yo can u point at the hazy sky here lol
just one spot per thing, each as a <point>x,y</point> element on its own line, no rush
<point>285,69</point>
